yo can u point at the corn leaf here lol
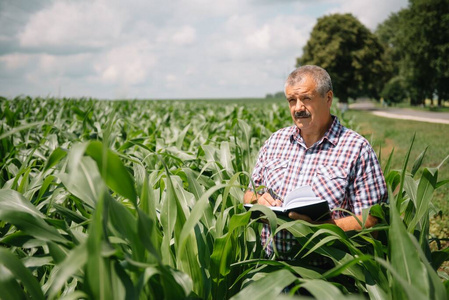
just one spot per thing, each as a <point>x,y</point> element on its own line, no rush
<point>16,210</point>
<point>426,187</point>
<point>269,287</point>
<point>116,175</point>
<point>404,255</point>
<point>13,264</point>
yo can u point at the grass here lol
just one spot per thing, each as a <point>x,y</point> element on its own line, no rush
<point>428,106</point>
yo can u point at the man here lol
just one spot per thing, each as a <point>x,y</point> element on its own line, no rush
<point>338,163</point>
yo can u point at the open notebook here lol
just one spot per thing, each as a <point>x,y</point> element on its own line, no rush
<point>303,201</point>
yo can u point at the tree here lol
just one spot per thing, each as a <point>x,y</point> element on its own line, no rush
<point>394,91</point>
<point>417,41</point>
<point>389,35</point>
<point>428,45</point>
<point>351,54</point>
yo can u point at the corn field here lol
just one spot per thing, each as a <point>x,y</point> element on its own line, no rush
<point>143,200</point>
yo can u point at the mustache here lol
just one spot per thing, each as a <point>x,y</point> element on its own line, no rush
<point>302,114</point>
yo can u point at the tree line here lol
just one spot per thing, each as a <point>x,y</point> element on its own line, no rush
<point>406,57</point>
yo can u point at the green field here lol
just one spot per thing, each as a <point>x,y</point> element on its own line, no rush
<point>143,200</point>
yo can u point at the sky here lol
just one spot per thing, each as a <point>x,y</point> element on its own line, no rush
<point>154,49</point>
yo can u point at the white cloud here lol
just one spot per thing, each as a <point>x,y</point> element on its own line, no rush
<point>247,38</point>
<point>15,61</point>
<point>128,64</point>
<point>172,49</point>
<point>370,12</point>
<point>260,38</point>
<point>186,35</point>
<point>73,24</point>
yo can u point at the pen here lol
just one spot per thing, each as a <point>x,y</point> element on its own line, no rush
<point>273,194</point>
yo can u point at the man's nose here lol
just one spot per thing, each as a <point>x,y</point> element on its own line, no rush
<point>299,105</point>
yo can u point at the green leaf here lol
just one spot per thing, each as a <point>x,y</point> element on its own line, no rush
<point>388,164</point>
<point>321,289</point>
<point>98,268</point>
<point>436,288</point>
<point>149,235</point>
<point>83,180</point>
<point>44,187</point>
<point>13,264</point>
<point>292,266</point>
<point>404,168</point>
<point>224,252</point>
<point>408,291</point>
<point>54,158</point>
<point>225,157</point>
<point>426,187</point>
<point>116,175</point>
<point>193,186</point>
<point>16,210</point>
<point>269,287</point>
<point>181,137</point>
<point>11,290</point>
<point>125,224</point>
<point>303,230</point>
<point>148,223</point>
<point>20,128</point>
<point>176,284</point>
<point>403,254</point>
<point>418,162</point>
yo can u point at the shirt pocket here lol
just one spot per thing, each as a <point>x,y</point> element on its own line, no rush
<point>331,183</point>
<point>274,173</point>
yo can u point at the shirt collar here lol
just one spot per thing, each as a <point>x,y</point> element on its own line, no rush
<point>331,134</point>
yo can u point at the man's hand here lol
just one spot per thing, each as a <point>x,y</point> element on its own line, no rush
<point>267,200</point>
<point>295,216</point>
<point>264,199</point>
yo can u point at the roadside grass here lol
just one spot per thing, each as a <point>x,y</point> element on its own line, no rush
<point>428,106</point>
<point>388,134</point>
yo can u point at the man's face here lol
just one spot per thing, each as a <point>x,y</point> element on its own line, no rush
<point>310,111</point>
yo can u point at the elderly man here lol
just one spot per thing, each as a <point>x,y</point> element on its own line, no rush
<point>318,151</point>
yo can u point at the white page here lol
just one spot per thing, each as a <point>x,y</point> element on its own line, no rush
<point>304,191</point>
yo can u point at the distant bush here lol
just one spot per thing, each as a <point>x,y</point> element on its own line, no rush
<point>394,91</point>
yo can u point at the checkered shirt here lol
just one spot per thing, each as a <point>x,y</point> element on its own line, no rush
<point>341,168</point>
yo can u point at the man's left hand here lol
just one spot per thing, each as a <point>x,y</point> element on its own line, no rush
<point>295,216</point>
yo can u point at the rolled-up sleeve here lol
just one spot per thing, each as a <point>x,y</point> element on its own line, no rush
<point>369,186</point>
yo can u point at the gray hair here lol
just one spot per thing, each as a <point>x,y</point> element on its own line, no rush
<point>319,75</point>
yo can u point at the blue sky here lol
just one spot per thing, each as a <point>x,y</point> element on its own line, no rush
<point>111,49</point>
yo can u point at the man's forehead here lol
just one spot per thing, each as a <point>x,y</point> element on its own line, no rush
<point>302,87</point>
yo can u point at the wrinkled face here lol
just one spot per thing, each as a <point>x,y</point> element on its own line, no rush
<point>310,111</point>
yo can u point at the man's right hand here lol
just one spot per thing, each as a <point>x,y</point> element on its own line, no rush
<point>264,199</point>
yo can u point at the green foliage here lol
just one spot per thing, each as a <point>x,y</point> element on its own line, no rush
<point>143,200</point>
<point>349,52</point>
<point>417,42</point>
<point>394,91</point>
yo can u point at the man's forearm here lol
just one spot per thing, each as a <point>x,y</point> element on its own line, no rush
<point>350,223</point>
<point>346,223</point>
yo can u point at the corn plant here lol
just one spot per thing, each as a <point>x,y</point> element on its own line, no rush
<point>143,200</point>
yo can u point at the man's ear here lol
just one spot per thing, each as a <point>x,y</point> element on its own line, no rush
<point>330,97</point>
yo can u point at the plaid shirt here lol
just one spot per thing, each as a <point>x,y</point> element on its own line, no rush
<point>341,168</point>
